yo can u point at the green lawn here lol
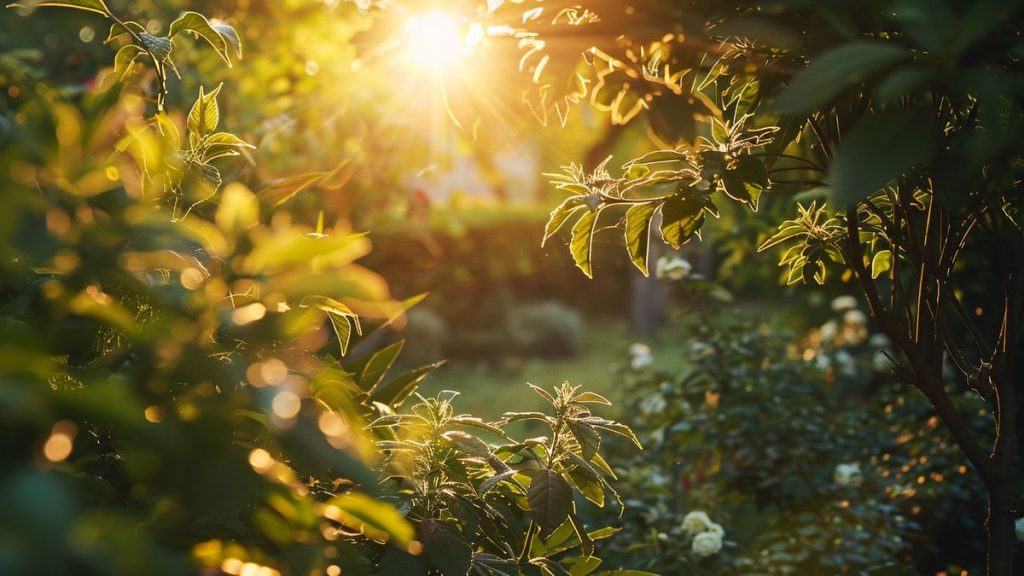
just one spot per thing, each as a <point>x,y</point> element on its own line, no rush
<point>488,390</point>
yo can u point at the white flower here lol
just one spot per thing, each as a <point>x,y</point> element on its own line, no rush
<point>716,528</point>
<point>653,404</point>
<point>640,356</point>
<point>673,268</point>
<point>855,317</point>
<point>848,475</point>
<point>696,522</point>
<point>1018,527</point>
<point>707,544</point>
<point>844,303</point>
<point>829,330</point>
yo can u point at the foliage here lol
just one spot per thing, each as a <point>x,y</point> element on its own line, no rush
<point>904,113</point>
<point>497,508</point>
<point>172,399</point>
<point>804,451</point>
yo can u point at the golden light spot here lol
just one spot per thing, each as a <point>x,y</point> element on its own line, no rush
<point>231,566</point>
<point>57,221</point>
<point>273,371</point>
<point>286,404</point>
<point>249,313</point>
<point>332,425</point>
<point>261,460</point>
<point>333,570</point>
<point>112,173</point>
<point>61,441</point>
<point>979,311</point>
<point>86,34</point>
<point>962,469</point>
<point>154,414</point>
<point>249,569</point>
<point>192,278</point>
<point>415,547</point>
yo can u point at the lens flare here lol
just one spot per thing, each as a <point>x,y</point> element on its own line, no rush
<point>434,41</point>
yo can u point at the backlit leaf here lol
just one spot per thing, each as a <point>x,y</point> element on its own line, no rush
<point>638,233</point>
<point>550,500</point>
<point>582,240</point>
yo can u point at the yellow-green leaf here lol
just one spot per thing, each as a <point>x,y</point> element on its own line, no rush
<point>375,519</point>
<point>582,240</point>
<point>638,233</point>
<point>204,115</point>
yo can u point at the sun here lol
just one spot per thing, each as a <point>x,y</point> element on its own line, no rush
<point>434,41</point>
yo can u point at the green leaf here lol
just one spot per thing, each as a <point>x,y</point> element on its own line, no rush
<point>204,115</point>
<point>394,391</point>
<point>370,516</point>
<point>446,548</point>
<point>159,46</point>
<point>614,428</point>
<point>493,481</point>
<point>593,397</point>
<point>467,443</point>
<point>117,29</point>
<point>230,36</point>
<point>226,139</point>
<point>583,565</point>
<point>638,233</point>
<point>746,180</point>
<point>124,59</point>
<point>378,364</point>
<point>341,316</point>
<point>396,562</point>
<point>881,263</point>
<point>200,26</point>
<point>550,500</point>
<point>582,240</point>
<point>560,215</point>
<point>586,544</point>
<point>97,6</point>
<point>837,70</point>
<point>681,218</point>
<point>900,83</point>
<point>879,149</point>
<point>587,480</point>
<point>657,157</point>
<point>586,436</point>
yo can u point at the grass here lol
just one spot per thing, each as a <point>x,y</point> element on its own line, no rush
<point>490,389</point>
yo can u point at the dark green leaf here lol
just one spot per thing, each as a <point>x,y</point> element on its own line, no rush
<point>550,499</point>
<point>681,218</point>
<point>446,548</point>
<point>394,391</point>
<point>837,70</point>
<point>878,150</point>
<point>159,46</point>
<point>586,436</point>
